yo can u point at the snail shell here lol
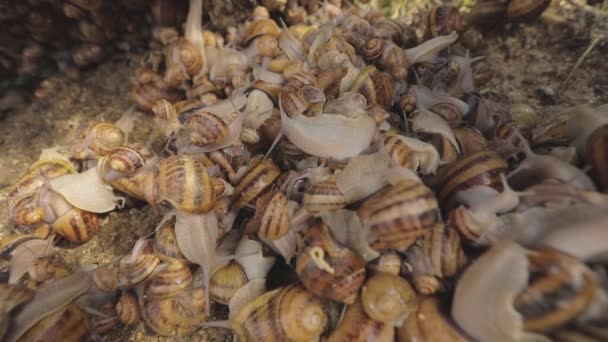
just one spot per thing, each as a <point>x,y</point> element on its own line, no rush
<point>470,140</point>
<point>294,104</point>
<point>373,49</point>
<point>387,298</point>
<point>25,210</point>
<point>203,128</point>
<point>479,168</point>
<point>133,273</point>
<point>77,225</point>
<point>127,309</point>
<point>225,281</point>
<point>184,55</point>
<point>442,20</point>
<point>169,281</point>
<point>428,323</point>
<point>488,12</point>
<point>261,27</point>
<point>179,315</point>
<point>301,79</point>
<point>257,180</point>
<point>286,314</point>
<point>377,87</point>
<point>438,255</point>
<point>357,326</point>
<point>68,324</point>
<point>525,115</point>
<point>449,112</point>
<point>560,288</point>
<point>125,160</point>
<point>38,174</point>
<point>327,268</point>
<point>397,215</point>
<point>389,262</point>
<point>10,242</point>
<point>524,10</point>
<point>183,182</point>
<point>323,196</point>
<point>597,155</point>
<point>398,151</point>
<point>272,215</point>
<point>165,243</point>
<point>101,324</point>
<point>102,137</point>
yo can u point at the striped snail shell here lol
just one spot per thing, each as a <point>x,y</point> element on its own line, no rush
<point>67,324</point>
<point>438,255</point>
<point>272,216</point>
<point>479,168</point>
<point>470,140</point>
<point>256,181</point>
<point>179,315</point>
<point>127,309</point>
<point>285,314</point>
<point>444,19</point>
<point>449,112</point>
<point>301,79</point>
<point>398,151</point>
<point>373,49</point>
<point>10,242</point>
<point>294,103</point>
<point>327,268</point>
<point>357,326</point>
<point>324,196</point>
<point>399,214</point>
<point>165,243</point>
<point>261,27</point>
<point>561,287</point>
<point>428,323</point>
<point>125,159</point>
<point>203,128</point>
<point>183,182</point>
<point>488,12</point>
<point>184,55</point>
<point>102,137</point>
<point>225,281</point>
<point>38,174</point>
<point>77,225</point>
<point>131,273</point>
<point>169,281</point>
<point>388,298</point>
<point>377,87</point>
<point>25,210</point>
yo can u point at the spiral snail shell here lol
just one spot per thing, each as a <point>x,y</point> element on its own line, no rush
<point>179,315</point>
<point>388,298</point>
<point>442,20</point>
<point>226,281</point>
<point>169,281</point>
<point>181,181</point>
<point>67,324</point>
<point>285,314</point>
<point>323,196</point>
<point>38,173</point>
<point>377,87</point>
<point>357,326</point>
<point>101,138</point>
<point>127,309</point>
<point>77,225</point>
<point>328,269</point>
<point>257,180</point>
<point>397,215</point>
<point>165,243</point>
<point>271,216</point>
<point>261,28</point>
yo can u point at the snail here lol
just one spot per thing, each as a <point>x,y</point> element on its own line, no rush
<point>388,298</point>
<point>328,269</point>
<point>442,20</point>
<point>428,322</point>
<point>289,313</point>
<point>272,215</point>
<point>356,325</point>
<point>127,309</point>
<point>226,281</point>
<point>258,178</point>
<point>398,215</point>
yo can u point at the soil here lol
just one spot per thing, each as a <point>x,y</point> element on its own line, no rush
<point>531,63</point>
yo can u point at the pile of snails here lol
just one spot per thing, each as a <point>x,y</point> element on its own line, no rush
<point>344,181</point>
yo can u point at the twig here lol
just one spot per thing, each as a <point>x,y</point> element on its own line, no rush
<point>579,62</point>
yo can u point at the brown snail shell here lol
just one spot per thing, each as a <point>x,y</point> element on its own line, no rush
<point>300,79</point>
<point>171,280</point>
<point>327,268</point>
<point>373,49</point>
<point>102,137</point>
<point>444,19</point>
<point>560,288</point>
<point>285,314</point>
<point>523,10</point>
<point>179,315</point>
<point>131,273</point>
<point>389,262</point>
<point>183,182</point>
<point>377,87</point>
<point>225,281</point>
<point>184,54</point>
<point>448,111</point>
<point>261,27</point>
<point>165,243</point>
<point>479,168</point>
<point>428,323</point>
<point>127,309</point>
<point>40,172</point>
<point>323,196</point>
<point>25,210</point>
<point>257,180</point>
<point>125,160</point>
<point>294,104</point>
<point>77,225</point>
<point>203,128</point>
<point>357,326</point>
<point>387,298</point>
<point>10,242</point>
<point>488,12</point>
<point>470,140</point>
<point>597,155</point>
<point>101,324</point>
<point>397,215</point>
<point>271,216</point>
<point>68,324</point>
<point>438,255</point>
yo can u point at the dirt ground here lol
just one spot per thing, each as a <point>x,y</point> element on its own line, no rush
<point>531,63</point>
